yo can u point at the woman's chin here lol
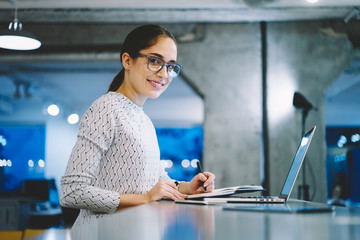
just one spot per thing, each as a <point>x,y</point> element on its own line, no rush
<point>154,95</point>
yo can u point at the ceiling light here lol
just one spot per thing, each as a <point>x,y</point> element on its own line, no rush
<point>14,38</point>
<point>73,118</point>
<point>312,1</point>
<point>53,110</point>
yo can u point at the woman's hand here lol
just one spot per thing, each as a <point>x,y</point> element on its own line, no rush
<point>164,189</point>
<point>201,180</point>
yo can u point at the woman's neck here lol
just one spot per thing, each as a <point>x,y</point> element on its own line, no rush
<point>136,98</point>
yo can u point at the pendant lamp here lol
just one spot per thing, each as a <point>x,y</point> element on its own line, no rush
<point>15,38</point>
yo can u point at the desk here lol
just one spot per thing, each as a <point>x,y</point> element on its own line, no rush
<point>167,220</point>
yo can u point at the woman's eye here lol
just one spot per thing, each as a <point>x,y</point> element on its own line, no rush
<point>155,61</point>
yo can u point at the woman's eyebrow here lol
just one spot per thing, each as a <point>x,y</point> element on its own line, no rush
<point>161,57</point>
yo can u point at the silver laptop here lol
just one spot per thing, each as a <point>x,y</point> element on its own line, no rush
<point>290,179</point>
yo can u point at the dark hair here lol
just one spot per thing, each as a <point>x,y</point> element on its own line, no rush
<point>138,39</point>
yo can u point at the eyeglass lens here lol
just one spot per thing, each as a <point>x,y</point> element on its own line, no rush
<point>156,64</point>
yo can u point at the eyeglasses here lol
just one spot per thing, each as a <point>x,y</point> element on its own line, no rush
<point>155,64</point>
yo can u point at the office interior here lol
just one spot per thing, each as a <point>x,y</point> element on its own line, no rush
<point>243,62</point>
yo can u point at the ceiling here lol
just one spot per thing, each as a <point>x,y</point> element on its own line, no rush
<point>80,40</point>
<point>171,11</point>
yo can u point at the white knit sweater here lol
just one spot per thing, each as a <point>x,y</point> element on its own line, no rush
<point>116,152</point>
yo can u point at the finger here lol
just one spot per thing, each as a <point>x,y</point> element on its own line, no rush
<point>169,184</point>
<point>210,188</point>
<point>176,195</point>
<point>201,177</point>
<point>164,193</point>
<point>169,187</point>
<point>172,185</point>
<point>211,185</point>
<point>209,175</point>
<point>172,189</point>
<point>210,179</point>
<point>179,195</point>
<point>200,189</point>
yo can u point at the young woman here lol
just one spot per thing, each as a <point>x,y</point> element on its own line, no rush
<point>115,162</point>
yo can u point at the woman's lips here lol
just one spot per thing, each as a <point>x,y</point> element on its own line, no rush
<point>155,84</point>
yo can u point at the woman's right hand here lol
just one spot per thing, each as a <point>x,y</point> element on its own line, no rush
<point>164,189</point>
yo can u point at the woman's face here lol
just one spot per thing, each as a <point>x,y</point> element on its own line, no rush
<point>140,82</point>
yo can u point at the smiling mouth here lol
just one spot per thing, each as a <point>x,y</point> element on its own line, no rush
<point>156,85</point>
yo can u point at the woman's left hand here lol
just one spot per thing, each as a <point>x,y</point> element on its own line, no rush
<point>200,181</point>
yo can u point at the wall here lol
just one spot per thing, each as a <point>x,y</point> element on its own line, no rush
<point>226,69</point>
<point>314,62</point>
<point>60,139</point>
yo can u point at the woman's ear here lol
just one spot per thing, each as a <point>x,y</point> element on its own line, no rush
<point>126,60</point>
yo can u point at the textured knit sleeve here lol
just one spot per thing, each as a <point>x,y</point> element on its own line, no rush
<point>94,138</point>
<point>163,174</point>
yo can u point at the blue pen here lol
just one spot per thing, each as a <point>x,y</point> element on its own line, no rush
<point>200,170</point>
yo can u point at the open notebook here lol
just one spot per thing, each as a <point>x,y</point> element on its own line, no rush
<point>221,192</point>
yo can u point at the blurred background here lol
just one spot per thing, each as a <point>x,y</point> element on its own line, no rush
<point>232,108</point>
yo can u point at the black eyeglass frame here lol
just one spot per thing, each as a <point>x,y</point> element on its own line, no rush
<point>168,70</point>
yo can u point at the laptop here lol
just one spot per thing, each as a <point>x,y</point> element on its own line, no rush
<point>290,179</point>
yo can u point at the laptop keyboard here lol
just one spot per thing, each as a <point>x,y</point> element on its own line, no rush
<point>261,198</point>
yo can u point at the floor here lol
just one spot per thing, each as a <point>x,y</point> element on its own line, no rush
<point>37,234</point>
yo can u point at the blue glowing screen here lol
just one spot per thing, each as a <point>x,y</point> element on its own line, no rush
<point>22,156</point>
<point>181,147</point>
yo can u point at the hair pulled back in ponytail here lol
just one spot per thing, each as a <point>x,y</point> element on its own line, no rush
<point>138,39</point>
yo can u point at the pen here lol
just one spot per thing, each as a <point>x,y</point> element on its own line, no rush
<point>200,170</point>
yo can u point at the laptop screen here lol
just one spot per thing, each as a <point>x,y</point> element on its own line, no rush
<point>296,164</point>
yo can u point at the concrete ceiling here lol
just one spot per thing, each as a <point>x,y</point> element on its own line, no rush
<point>170,11</point>
<point>83,38</point>
<point>97,26</point>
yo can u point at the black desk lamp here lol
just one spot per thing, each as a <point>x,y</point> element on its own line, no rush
<point>301,102</point>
